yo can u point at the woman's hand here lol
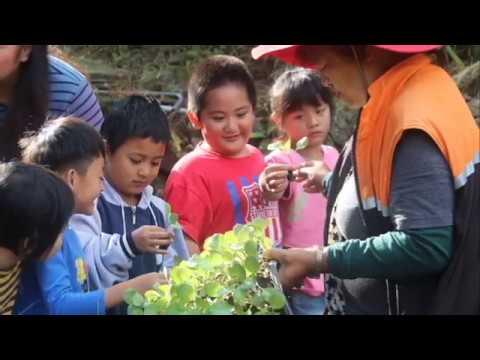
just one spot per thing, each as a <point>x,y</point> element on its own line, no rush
<point>313,174</point>
<point>297,264</point>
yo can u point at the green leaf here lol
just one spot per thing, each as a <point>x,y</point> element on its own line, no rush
<point>261,225</point>
<point>128,297</point>
<point>152,296</point>
<point>182,274</point>
<point>164,290</point>
<point>240,296</point>
<point>184,293</point>
<point>302,144</point>
<point>274,146</point>
<point>258,301</point>
<point>279,146</point>
<point>275,298</point>
<point>252,264</point>
<point>214,290</point>
<point>213,243</point>
<point>221,308</point>
<point>133,310</point>
<point>173,220</point>
<point>263,312</point>
<point>229,238</point>
<point>251,248</point>
<point>176,309</point>
<point>136,299</point>
<point>214,259</point>
<point>155,309</point>
<point>243,235</point>
<point>192,313</point>
<point>172,217</point>
<point>237,272</point>
<point>168,209</point>
<point>202,305</point>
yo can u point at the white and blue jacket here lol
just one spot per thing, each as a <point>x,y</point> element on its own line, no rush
<point>107,242</point>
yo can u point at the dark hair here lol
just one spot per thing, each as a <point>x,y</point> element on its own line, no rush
<point>135,117</point>
<point>35,206</point>
<point>64,143</point>
<point>217,71</point>
<point>28,108</point>
<point>298,87</point>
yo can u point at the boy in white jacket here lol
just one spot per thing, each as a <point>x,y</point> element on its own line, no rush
<point>129,234</point>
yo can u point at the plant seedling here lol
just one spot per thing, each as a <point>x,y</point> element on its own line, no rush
<point>302,144</point>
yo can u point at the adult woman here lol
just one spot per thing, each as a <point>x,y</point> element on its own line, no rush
<point>402,238</point>
<point>34,86</point>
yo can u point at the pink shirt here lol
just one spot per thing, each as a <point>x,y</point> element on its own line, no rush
<point>302,215</point>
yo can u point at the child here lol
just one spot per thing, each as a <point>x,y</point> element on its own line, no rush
<point>75,151</point>
<point>35,205</point>
<point>130,229</point>
<point>216,186</point>
<point>302,108</point>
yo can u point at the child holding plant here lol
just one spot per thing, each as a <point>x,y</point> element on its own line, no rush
<point>131,231</point>
<point>302,108</point>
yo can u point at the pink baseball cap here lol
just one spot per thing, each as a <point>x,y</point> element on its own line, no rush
<point>289,53</point>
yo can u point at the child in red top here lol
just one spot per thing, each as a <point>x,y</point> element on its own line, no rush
<point>216,186</point>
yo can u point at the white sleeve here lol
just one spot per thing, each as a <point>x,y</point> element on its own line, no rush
<point>108,256</point>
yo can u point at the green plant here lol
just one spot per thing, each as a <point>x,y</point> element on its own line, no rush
<point>172,217</point>
<point>229,278</point>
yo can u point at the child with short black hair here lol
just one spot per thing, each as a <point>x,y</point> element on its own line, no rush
<point>130,221</point>
<point>35,206</point>
<point>216,186</point>
<point>61,285</point>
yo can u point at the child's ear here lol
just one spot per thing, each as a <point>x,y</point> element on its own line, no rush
<point>70,177</point>
<point>194,120</point>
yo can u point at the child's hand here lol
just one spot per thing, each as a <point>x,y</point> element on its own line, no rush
<point>152,239</point>
<point>148,281</point>
<point>115,295</point>
<point>274,180</point>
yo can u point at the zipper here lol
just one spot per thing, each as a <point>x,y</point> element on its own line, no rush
<point>134,215</point>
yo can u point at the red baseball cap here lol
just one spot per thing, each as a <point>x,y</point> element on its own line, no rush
<point>289,53</point>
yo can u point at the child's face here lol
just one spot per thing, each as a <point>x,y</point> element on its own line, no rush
<point>308,121</point>
<point>88,187</point>
<point>227,120</point>
<point>134,166</point>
